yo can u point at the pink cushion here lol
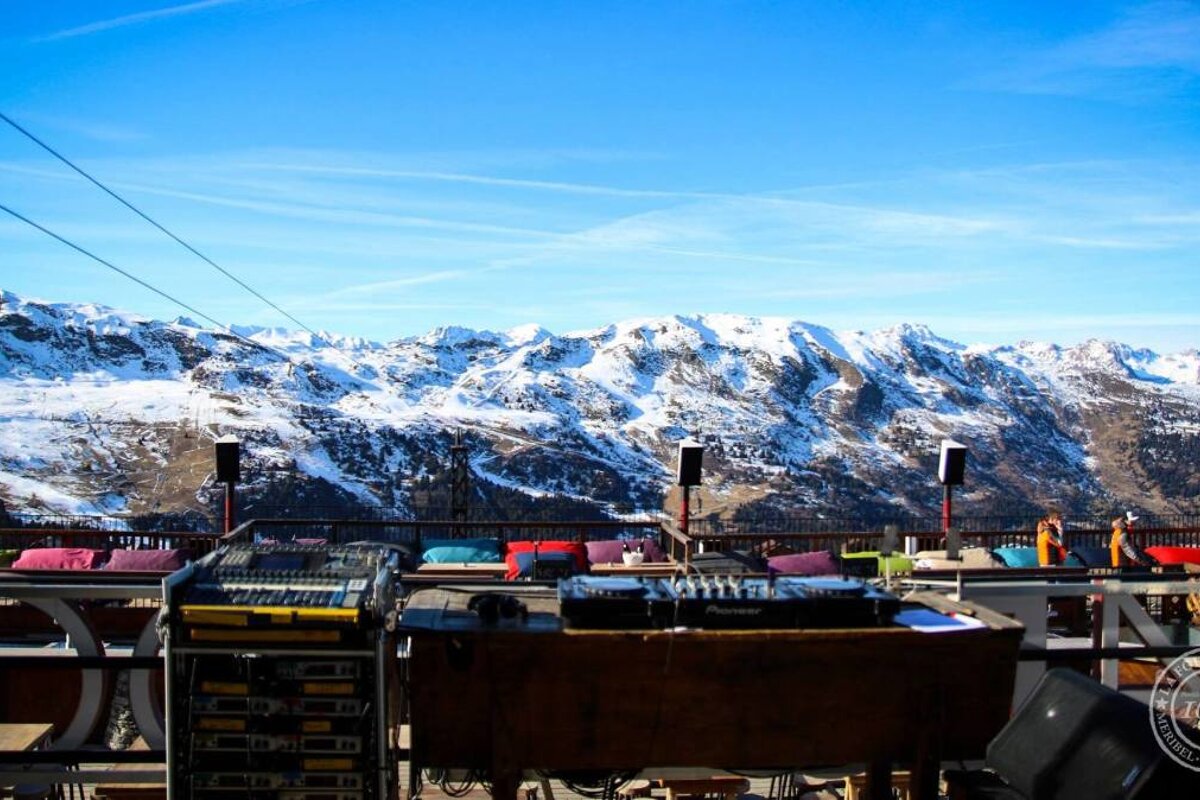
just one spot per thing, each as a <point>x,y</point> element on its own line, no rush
<point>819,563</point>
<point>59,558</point>
<point>1175,555</point>
<point>608,551</point>
<point>146,560</point>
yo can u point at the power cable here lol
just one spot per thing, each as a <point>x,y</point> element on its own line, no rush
<point>147,218</point>
<point>139,281</point>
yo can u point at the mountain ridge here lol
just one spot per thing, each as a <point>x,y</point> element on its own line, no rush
<point>111,412</point>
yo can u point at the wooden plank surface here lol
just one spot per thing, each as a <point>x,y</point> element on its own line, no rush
<point>20,736</point>
<point>658,569</point>
<point>464,570</point>
<point>114,789</point>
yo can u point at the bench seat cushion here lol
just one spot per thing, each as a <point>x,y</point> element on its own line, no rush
<point>59,558</point>
<point>461,551</point>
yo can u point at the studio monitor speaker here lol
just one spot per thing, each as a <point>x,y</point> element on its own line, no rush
<point>691,456</point>
<point>953,463</point>
<point>228,460</point>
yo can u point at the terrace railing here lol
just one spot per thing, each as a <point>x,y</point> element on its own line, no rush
<point>858,541</point>
<point>108,540</point>
<point>414,532</point>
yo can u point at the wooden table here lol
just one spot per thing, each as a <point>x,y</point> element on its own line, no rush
<point>21,736</point>
<point>532,695</point>
<point>857,784</point>
<point>655,569</point>
<point>484,570</point>
<point>728,786</point>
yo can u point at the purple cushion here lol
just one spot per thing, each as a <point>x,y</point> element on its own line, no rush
<point>59,558</point>
<point>818,563</point>
<point>147,560</point>
<point>608,551</point>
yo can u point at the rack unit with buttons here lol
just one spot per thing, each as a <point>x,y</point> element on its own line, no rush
<point>277,679</point>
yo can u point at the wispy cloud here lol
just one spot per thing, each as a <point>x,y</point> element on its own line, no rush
<point>382,287</point>
<point>134,19</point>
<point>341,215</point>
<point>849,284</point>
<point>1105,243</point>
<point>89,129</point>
<point>1025,324</point>
<point>1153,49</point>
<point>478,180</point>
<point>387,246</point>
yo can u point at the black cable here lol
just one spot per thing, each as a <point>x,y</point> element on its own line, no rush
<point>147,218</point>
<point>592,785</point>
<point>139,281</point>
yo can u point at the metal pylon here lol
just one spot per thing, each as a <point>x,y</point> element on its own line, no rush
<point>460,479</point>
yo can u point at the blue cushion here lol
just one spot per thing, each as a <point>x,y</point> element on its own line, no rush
<point>461,551</point>
<point>1017,556</point>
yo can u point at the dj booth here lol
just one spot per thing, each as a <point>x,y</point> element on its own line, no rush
<point>499,684</point>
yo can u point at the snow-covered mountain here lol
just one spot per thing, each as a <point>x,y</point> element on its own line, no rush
<point>106,412</point>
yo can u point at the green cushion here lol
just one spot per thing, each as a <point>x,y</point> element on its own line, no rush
<point>895,564</point>
<point>7,557</point>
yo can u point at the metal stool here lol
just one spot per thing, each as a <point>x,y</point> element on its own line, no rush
<point>32,791</point>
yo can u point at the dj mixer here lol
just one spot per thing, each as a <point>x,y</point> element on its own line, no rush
<point>723,601</point>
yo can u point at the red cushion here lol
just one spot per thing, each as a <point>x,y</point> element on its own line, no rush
<point>576,549</point>
<point>59,558</point>
<point>1175,555</point>
<point>146,560</point>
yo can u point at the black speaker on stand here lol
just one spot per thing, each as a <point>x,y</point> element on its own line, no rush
<point>229,472</point>
<point>687,475</point>
<point>952,468</point>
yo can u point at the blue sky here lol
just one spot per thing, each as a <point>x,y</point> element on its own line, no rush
<point>999,171</point>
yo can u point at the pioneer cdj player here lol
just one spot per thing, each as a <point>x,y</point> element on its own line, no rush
<point>723,601</point>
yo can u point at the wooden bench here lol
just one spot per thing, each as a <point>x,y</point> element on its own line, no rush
<point>130,791</point>
<point>729,787</point>
<point>856,785</point>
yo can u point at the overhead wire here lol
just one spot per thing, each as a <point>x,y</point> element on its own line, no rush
<point>139,281</point>
<point>353,362</point>
<point>98,184</point>
<point>95,182</point>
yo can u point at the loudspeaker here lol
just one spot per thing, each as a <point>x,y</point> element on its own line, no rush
<point>891,537</point>
<point>228,459</point>
<point>691,456</point>
<point>1075,738</point>
<point>953,463</point>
